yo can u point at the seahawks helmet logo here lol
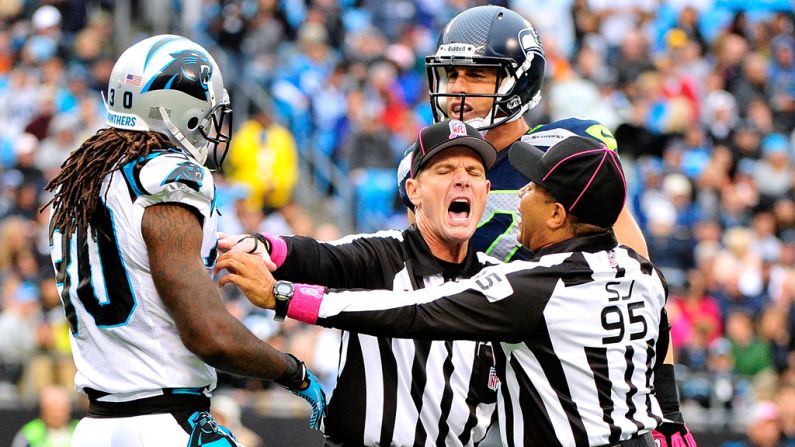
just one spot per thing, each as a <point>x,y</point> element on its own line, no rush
<point>190,72</point>
<point>187,173</point>
<point>528,40</point>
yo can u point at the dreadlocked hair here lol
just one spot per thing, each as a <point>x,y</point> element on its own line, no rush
<point>76,188</point>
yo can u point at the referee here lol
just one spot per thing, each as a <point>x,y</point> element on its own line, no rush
<point>580,326</point>
<point>403,392</point>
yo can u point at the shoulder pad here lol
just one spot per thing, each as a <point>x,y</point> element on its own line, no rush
<point>169,176</point>
<point>546,135</point>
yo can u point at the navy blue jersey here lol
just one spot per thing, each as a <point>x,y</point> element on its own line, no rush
<point>499,226</point>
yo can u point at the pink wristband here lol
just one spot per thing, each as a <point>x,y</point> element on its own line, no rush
<point>278,248</point>
<point>305,305</point>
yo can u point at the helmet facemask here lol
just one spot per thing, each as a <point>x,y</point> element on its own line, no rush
<point>217,130</point>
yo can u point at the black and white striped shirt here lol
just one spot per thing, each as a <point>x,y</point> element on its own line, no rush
<point>580,327</point>
<point>398,392</point>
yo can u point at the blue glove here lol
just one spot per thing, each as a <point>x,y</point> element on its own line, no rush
<point>305,385</point>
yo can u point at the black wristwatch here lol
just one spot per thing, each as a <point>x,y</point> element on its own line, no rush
<point>282,293</point>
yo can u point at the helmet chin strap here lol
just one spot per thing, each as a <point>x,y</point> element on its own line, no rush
<point>478,123</point>
<point>180,137</point>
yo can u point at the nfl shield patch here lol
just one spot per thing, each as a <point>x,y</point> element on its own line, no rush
<point>457,129</point>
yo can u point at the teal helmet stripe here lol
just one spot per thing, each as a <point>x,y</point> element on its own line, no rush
<point>157,46</point>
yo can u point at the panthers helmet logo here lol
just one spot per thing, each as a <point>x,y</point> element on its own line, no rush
<point>190,72</point>
<point>187,173</point>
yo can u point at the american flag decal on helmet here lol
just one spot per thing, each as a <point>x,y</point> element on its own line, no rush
<point>133,79</point>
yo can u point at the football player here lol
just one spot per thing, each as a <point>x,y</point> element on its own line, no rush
<point>133,234</point>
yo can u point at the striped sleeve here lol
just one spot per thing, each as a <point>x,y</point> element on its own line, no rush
<point>498,303</point>
<point>347,263</point>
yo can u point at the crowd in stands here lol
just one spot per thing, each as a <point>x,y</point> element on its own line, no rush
<point>700,95</point>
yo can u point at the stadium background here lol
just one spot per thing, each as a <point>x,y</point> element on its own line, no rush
<point>327,93</point>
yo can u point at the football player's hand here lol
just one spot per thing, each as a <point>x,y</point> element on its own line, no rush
<point>250,274</point>
<point>673,434</point>
<point>228,242</point>
<point>310,390</point>
<point>246,243</point>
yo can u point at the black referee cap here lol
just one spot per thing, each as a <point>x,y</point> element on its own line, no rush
<point>581,173</point>
<point>449,133</point>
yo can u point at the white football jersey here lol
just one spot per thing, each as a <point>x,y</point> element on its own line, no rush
<point>124,340</point>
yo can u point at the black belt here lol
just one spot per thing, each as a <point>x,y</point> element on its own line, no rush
<point>644,440</point>
<point>172,400</point>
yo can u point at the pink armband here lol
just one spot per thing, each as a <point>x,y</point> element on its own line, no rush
<point>278,248</point>
<point>305,305</point>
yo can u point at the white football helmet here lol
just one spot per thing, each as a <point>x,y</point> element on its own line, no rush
<point>171,85</point>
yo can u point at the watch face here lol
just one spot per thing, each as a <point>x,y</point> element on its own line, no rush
<point>283,289</point>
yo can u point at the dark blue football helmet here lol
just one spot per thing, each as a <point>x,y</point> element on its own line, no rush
<point>495,37</point>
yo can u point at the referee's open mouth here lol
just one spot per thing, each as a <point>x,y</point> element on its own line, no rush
<point>458,210</point>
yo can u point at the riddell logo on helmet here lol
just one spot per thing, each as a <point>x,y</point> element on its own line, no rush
<point>457,129</point>
<point>455,50</point>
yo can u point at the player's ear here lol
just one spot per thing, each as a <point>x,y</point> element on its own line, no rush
<point>557,216</point>
<point>413,191</point>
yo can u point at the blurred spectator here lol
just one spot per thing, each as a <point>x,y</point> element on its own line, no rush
<point>695,320</point>
<point>773,174</point>
<point>19,321</point>
<point>765,242</point>
<point>25,150</point>
<point>330,114</point>
<point>773,331</point>
<point>54,426</point>
<point>45,38</point>
<point>229,27</point>
<point>751,354</point>
<point>679,191</point>
<point>53,363</point>
<point>261,43</point>
<point>784,210</point>
<point>746,140</point>
<point>752,84</point>
<point>738,270</point>
<point>764,428</point>
<point>669,246</point>
<point>782,81</point>
<point>619,17</point>
<point>264,158</point>
<point>579,89</point>
<point>720,367</point>
<point>719,114</point>
<point>62,139</point>
<point>367,145</point>
<point>738,199</point>
<point>759,113</point>
<point>785,399</point>
<point>730,48</point>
